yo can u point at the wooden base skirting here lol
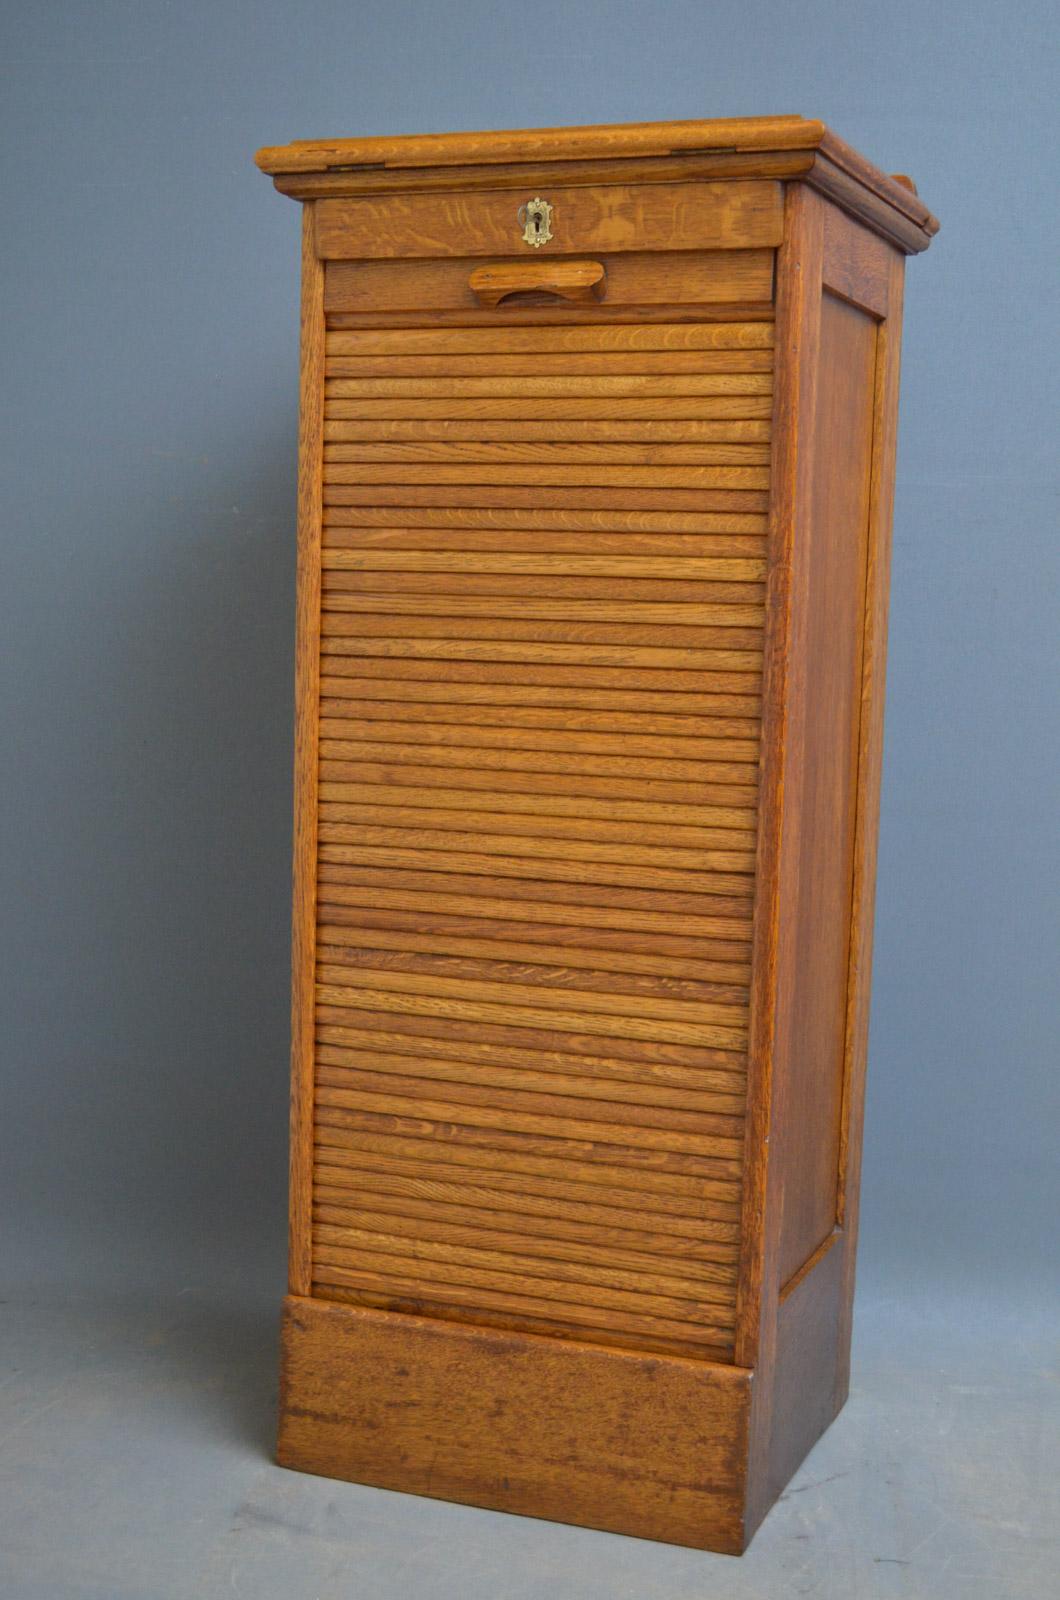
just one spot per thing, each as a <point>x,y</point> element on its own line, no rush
<point>654,1446</point>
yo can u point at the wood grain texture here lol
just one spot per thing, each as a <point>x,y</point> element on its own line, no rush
<point>307,691</point>
<point>592,604</point>
<point>689,278</point>
<point>519,1422</point>
<point>467,837</point>
<point>722,216</point>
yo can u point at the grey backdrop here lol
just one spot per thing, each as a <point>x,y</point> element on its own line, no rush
<point>149,287</point>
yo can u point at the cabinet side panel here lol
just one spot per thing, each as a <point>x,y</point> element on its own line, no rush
<point>838,341</point>
<point>307,696</point>
<point>830,558</point>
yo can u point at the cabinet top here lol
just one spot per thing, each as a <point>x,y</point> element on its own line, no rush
<point>739,147</point>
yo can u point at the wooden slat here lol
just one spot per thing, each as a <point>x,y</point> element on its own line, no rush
<point>550,364</point>
<point>497,674</point>
<point>626,386</point>
<point>698,615</point>
<point>704,568</point>
<point>395,836</point>
<point>387,811</point>
<point>395,767</point>
<point>548,458</point>
<point>621,949</point>
<point>688,434</point>
<point>416,497</point>
<point>388,524</point>
<point>342,946</point>
<point>702,407</point>
<point>630,336</point>
<point>411,697</point>
<point>674,748</point>
<point>677,817</point>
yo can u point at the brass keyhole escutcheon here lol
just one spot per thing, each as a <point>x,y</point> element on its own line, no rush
<point>535,218</point>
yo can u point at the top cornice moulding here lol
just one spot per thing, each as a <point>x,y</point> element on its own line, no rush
<point>787,147</point>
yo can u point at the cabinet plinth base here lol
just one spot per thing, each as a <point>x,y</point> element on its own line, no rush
<point>654,1446</point>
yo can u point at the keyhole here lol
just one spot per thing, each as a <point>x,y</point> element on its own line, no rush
<point>537,222</point>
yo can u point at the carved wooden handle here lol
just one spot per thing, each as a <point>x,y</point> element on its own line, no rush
<point>568,280</point>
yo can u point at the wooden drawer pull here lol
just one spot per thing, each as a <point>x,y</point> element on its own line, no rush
<point>567,280</point>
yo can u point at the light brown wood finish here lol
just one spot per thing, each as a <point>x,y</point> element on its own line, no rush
<point>307,693</point>
<point>591,618</point>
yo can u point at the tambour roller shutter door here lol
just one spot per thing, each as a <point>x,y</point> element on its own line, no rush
<point>540,678</point>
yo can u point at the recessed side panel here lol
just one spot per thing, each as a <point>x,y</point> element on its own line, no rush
<point>829,575</point>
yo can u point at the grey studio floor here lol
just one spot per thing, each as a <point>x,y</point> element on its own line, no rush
<point>136,1415</point>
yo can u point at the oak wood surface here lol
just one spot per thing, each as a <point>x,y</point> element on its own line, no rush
<point>591,602</point>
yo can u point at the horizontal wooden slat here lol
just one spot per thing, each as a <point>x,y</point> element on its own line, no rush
<point>372,589</point>
<point>396,767</point>
<point>546,872</point>
<point>715,278</point>
<point>444,750</point>
<point>388,811</point>
<point>510,564</point>
<point>366,783</point>
<point>338,944</point>
<point>623,949</point>
<point>395,836</point>
<point>414,497</point>
<point>679,683</point>
<point>410,697</point>
<point>586,433</point>
<point>629,336</point>
<point>671,746</point>
<point>534,652</point>
<point>548,458</point>
<point>529,476</point>
<point>703,407</point>
<point>624,386</point>
<point>383,524</point>
<point>475,608</point>
<point>551,364</point>
<point>508,992</point>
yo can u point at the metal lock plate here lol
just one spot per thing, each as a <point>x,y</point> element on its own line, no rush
<point>535,218</point>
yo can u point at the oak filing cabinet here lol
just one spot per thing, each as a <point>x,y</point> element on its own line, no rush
<point>597,453</point>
